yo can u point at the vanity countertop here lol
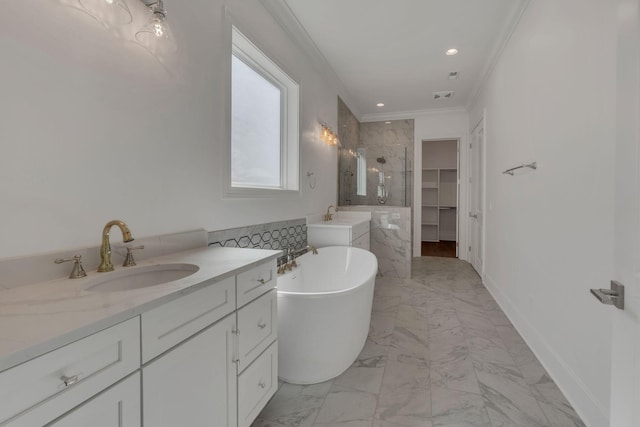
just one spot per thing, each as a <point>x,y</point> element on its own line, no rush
<point>337,223</point>
<point>340,219</point>
<point>40,317</point>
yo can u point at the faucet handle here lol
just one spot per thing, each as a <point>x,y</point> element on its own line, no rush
<point>128,260</point>
<point>77,271</point>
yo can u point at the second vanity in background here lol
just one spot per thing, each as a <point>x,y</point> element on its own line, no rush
<point>344,229</point>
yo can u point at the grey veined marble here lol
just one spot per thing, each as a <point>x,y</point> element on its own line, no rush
<point>440,353</point>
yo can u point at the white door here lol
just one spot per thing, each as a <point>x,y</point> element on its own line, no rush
<point>475,197</point>
<point>625,369</point>
<point>193,384</point>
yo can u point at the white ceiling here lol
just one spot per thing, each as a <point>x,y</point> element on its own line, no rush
<point>393,51</point>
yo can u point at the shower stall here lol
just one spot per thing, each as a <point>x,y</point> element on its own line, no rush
<point>374,175</point>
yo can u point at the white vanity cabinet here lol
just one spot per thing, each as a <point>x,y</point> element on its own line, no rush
<point>205,358</point>
<point>339,234</point>
<point>216,376</point>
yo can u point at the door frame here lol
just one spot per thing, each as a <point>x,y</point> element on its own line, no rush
<point>483,179</point>
<point>625,345</point>
<point>461,223</point>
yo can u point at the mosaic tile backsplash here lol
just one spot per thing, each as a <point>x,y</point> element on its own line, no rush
<point>273,235</point>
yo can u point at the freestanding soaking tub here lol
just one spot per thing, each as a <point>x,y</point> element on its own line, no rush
<point>324,310</point>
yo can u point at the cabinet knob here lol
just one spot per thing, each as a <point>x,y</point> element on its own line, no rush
<point>262,325</point>
<point>261,384</point>
<point>262,281</point>
<point>69,381</point>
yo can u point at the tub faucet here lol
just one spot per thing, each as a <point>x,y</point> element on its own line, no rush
<point>313,249</point>
<point>328,216</point>
<point>105,247</point>
<point>291,259</point>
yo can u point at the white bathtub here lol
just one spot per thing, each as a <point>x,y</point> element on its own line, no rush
<point>324,309</point>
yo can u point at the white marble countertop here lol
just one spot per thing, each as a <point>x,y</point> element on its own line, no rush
<point>340,219</point>
<point>38,318</point>
<point>336,223</point>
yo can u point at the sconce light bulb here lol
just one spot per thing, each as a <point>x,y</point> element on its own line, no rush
<point>158,28</point>
<point>109,1</point>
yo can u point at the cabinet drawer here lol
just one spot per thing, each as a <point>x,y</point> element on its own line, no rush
<point>256,385</point>
<point>118,406</point>
<point>255,282</point>
<point>359,229</point>
<point>258,327</point>
<point>167,325</point>
<point>87,366</point>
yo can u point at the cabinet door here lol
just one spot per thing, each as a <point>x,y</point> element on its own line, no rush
<point>195,383</point>
<point>118,406</point>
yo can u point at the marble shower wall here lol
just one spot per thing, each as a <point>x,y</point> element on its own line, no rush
<point>390,238</point>
<point>392,140</point>
<point>349,135</point>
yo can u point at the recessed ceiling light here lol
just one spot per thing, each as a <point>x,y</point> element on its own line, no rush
<point>452,51</point>
<point>387,123</point>
<point>379,104</point>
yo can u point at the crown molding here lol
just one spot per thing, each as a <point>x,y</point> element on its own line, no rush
<point>401,115</point>
<point>288,21</point>
<point>502,42</point>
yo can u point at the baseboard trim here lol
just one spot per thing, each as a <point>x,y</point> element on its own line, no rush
<point>576,392</point>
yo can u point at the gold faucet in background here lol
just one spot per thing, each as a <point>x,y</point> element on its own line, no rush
<point>328,216</point>
<point>105,247</point>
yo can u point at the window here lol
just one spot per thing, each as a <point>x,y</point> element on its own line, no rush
<point>264,124</point>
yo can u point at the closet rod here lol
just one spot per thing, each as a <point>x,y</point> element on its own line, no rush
<point>533,166</point>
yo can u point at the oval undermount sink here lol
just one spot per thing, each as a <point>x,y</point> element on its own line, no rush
<point>141,277</point>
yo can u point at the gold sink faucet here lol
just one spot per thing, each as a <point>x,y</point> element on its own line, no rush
<point>105,247</point>
<point>328,216</point>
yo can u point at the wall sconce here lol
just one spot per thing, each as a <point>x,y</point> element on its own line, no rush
<point>155,31</point>
<point>122,20</point>
<point>327,135</point>
<point>110,13</point>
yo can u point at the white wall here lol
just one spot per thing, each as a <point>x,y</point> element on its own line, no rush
<point>550,99</point>
<point>439,125</point>
<point>93,128</point>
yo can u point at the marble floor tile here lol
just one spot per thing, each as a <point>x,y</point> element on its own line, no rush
<point>456,373</point>
<point>407,423</point>
<point>508,398</point>
<point>385,303</point>
<point>295,405</point>
<point>361,378</point>
<point>407,408</point>
<point>404,377</point>
<point>409,346</point>
<point>440,353</point>
<point>381,327</point>
<point>265,423</point>
<point>458,408</point>
<point>344,405</point>
<point>412,317</point>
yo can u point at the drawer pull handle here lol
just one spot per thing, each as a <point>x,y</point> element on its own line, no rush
<point>262,281</point>
<point>261,384</point>
<point>69,381</point>
<point>262,325</point>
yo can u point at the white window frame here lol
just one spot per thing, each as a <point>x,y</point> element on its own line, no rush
<point>250,54</point>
